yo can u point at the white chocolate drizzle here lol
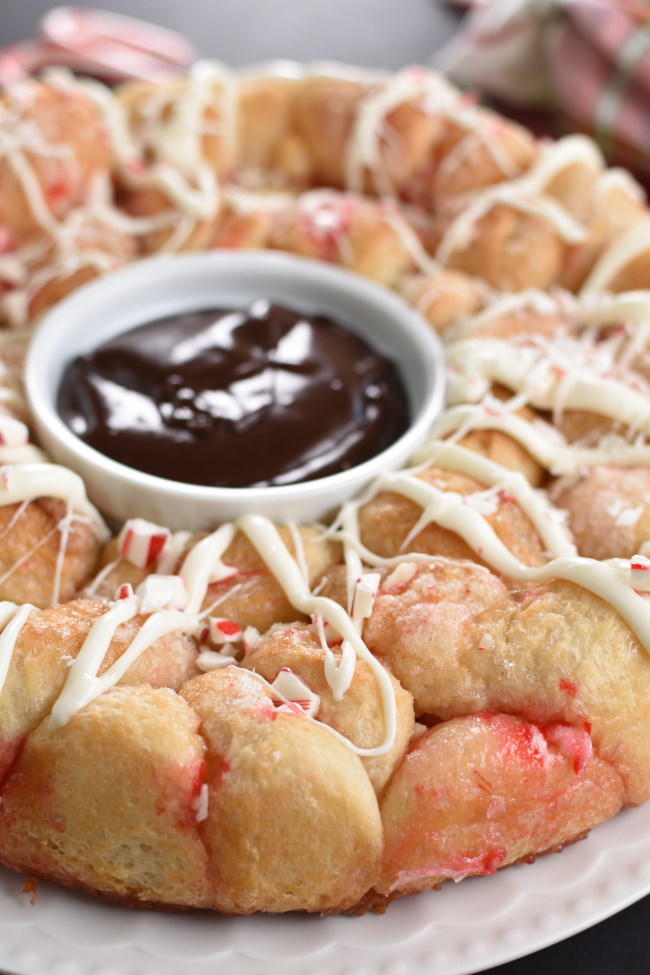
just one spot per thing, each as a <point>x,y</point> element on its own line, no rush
<point>543,442</point>
<point>28,482</point>
<point>609,580</point>
<point>266,539</point>
<point>12,620</point>
<point>617,257</point>
<point>548,378</point>
<point>527,194</point>
<point>84,683</point>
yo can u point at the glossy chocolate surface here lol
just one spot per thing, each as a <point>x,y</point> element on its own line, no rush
<point>264,396</point>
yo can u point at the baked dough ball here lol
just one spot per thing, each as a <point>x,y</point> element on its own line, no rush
<point>562,655</point>
<point>179,144</point>
<point>61,141</point>
<point>83,246</point>
<point>49,642</point>
<point>108,802</point>
<point>47,555</point>
<point>510,248</point>
<point>358,714</point>
<point>429,621</point>
<point>292,820</point>
<point>427,144</point>
<point>608,510</point>
<point>269,153</point>
<point>387,521</point>
<point>372,238</point>
<point>444,297</point>
<point>477,793</point>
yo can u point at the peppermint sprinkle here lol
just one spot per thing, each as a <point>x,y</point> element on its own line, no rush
<point>296,696</point>
<point>640,573</point>
<point>162,592</point>
<point>200,804</point>
<point>364,595</point>
<point>142,542</point>
<point>223,630</point>
<point>13,433</point>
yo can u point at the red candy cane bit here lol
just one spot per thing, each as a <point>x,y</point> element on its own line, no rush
<point>229,627</point>
<point>640,573</point>
<point>571,742</point>
<point>364,595</point>
<point>156,546</point>
<point>568,686</point>
<point>125,591</point>
<point>520,741</point>
<point>492,410</point>
<point>57,189</point>
<point>462,865</point>
<point>223,630</point>
<point>484,784</point>
<point>468,99</point>
<point>142,543</point>
<point>293,695</point>
<point>399,578</point>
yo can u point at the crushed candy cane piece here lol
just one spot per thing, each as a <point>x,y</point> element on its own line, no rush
<point>125,591</point>
<point>215,659</point>
<point>364,595</point>
<point>573,743</point>
<point>400,577</point>
<point>13,433</point>
<point>221,571</point>
<point>640,573</point>
<point>142,542</point>
<point>295,695</point>
<point>200,804</point>
<point>252,638</point>
<point>623,515</point>
<point>162,592</point>
<point>223,630</point>
<point>168,559</point>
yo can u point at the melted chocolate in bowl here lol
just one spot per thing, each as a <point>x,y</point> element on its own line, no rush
<point>229,398</point>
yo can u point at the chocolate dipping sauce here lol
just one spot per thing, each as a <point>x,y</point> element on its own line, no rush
<point>226,398</point>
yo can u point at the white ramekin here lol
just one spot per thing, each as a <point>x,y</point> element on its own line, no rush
<point>162,286</point>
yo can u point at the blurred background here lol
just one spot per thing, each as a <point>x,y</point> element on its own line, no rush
<point>377,33</point>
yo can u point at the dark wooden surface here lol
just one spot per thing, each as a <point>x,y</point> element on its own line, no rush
<point>377,33</point>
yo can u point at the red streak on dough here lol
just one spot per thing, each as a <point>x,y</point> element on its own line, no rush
<point>568,686</point>
<point>462,865</point>
<point>519,741</point>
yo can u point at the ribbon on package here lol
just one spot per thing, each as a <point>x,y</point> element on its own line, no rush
<point>586,59</point>
<point>109,46</point>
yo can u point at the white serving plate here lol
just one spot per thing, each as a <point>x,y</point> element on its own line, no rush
<point>463,928</point>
